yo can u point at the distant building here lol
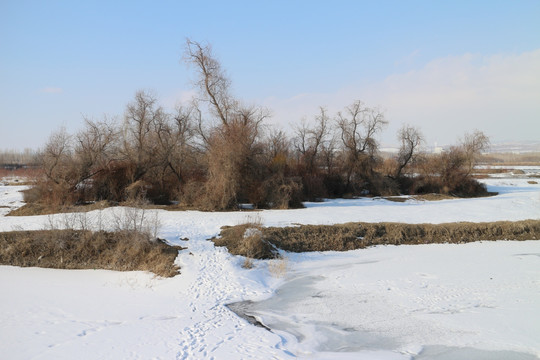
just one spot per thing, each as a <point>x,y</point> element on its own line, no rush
<point>437,149</point>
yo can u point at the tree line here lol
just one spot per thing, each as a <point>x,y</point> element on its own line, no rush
<point>217,153</point>
<point>17,159</point>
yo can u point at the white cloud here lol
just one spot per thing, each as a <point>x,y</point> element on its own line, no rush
<point>51,90</point>
<point>498,94</point>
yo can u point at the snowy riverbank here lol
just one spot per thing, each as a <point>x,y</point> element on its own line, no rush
<point>403,300</point>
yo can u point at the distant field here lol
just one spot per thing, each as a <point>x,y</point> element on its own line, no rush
<point>18,176</point>
<point>521,159</point>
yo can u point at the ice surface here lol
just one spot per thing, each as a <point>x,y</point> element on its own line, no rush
<point>396,297</point>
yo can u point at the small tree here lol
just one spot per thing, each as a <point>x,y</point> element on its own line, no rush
<point>174,157</point>
<point>309,142</point>
<point>473,145</point>
<point>411,140</point>
<point>358,127</point>
<point>140,144</point>
<point>313,147</point>
<point>451,171</point>
<point>96,149</point>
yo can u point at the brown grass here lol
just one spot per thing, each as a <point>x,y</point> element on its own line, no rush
<point>31,209</point>
<point>21,176</point>
<point>247,240</point>
<point>351,236</point>
<point>489,171</point>
<point>529,158</point>
<point>78,249</point>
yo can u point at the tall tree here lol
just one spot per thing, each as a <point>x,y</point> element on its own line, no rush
<point>232,135</point>
<point>358,126</point>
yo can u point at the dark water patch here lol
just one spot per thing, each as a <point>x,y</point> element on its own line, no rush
<point>242,309</point>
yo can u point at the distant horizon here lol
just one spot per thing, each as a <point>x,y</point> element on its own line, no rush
<point>446,68</point>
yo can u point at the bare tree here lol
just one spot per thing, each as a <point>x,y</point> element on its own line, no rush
<point>278,145</point>
<point>56,156</point>
<point>60,170</point>
<point>96,146</point>
<point>212,82</point>
<point>411,140</point>
<point>139,136</point>
<point>473,145</point>
<point>232,135</point>
<point>358,126</point>
<point>174,137</point>
<point>310,142</point>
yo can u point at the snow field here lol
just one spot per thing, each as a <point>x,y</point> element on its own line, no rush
<point>482,295</point>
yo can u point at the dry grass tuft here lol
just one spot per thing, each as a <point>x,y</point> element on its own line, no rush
<point>248,263</point>
<point>278,268</point>
<point>351,236</point>
<point>246,239</point>
<point>79,249</point>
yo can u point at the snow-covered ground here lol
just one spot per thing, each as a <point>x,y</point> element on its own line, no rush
<point>526,171</point>
<point>479,300</point>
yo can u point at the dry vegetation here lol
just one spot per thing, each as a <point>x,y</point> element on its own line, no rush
<point>38,208</point>
<point>360,235</point>
<point>217,153</point>
<point>511,159</point>
<point>80,249</point>
<point>246,239</point>
<point>131,245</point>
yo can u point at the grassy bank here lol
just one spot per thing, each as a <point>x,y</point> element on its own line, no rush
<point>253,240</point>
<point>78,249</point>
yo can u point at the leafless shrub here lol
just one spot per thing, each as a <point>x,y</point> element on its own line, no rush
<point>135,218</point>
<point>283,193</point>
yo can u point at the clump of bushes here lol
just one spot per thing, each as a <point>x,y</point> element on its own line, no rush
<point>217,153</point>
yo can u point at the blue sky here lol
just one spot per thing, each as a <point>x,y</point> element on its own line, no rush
<point>448,67</point>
